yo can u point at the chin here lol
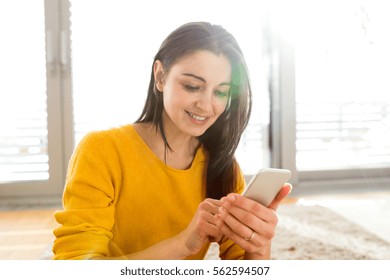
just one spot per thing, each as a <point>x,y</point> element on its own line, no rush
<point>195,132</point>
<point>198,133</point>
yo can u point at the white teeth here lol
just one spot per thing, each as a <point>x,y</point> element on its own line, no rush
<point>199,118</point>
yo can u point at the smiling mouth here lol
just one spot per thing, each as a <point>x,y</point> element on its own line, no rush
<point>196,117</point>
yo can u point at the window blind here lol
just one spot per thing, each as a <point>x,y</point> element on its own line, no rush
<point>343,94</point>
<point>345,134</point>
<point>23,114</point>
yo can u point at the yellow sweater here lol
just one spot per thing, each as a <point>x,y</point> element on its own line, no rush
<point>120,198</point>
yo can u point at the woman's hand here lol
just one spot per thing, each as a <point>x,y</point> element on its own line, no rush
<point>249,224</point>
<point>202,228</point>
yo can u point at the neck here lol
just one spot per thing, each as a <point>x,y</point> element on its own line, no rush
<point>179,142</point>
<point>182,149</point>
<point>183,146</point>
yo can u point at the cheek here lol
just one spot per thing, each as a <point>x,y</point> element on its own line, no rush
<point>169,104</point>
<point>220,105</point>
<point>172,99</point>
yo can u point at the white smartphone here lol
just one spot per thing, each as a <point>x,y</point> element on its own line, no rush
<point>265,185</point>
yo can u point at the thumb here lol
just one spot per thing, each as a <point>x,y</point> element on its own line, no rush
<point>282,194</point>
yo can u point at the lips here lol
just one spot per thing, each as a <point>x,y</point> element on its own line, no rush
<point>196,117</point>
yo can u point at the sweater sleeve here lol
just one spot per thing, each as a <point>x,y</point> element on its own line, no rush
<point>87,219</point>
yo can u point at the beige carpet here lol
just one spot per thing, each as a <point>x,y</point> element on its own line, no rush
<point>318,233</point>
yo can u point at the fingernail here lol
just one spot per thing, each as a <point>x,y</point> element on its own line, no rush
<point>231,198</point>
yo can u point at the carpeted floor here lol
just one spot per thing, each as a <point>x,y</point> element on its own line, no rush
<point>318,233</point>
<point>315,232</point>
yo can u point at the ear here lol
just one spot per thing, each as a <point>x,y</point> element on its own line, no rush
<point>158,71</point>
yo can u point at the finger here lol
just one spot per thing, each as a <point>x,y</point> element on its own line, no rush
<point>244,222</point>
<point>253,245</point>
<point>208,208</point>
<point>206,225</point>
<point>232,222</point>
<point>212,205</point>
<point>213,231</point>
<point>248,205</point>
<point>282,194</point>
<point>215,202</point>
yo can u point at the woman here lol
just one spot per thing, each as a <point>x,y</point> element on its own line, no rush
<point>166,186</point>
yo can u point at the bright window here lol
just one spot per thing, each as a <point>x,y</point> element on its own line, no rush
<point>342,86</point>
<point>113,45</point>
<point>23,112</point>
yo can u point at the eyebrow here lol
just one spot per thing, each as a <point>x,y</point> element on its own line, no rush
<point>194,76</point>
<point>202,79</point>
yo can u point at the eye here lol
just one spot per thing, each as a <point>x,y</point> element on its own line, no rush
<point>191,88</point>
<point>221,93</point>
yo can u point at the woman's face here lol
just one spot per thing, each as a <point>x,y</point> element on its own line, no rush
<point>196,91</point>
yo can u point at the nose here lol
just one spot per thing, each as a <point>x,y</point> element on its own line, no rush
<point>205,101</point>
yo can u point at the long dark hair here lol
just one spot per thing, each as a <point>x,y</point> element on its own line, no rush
<point>222,138</point>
